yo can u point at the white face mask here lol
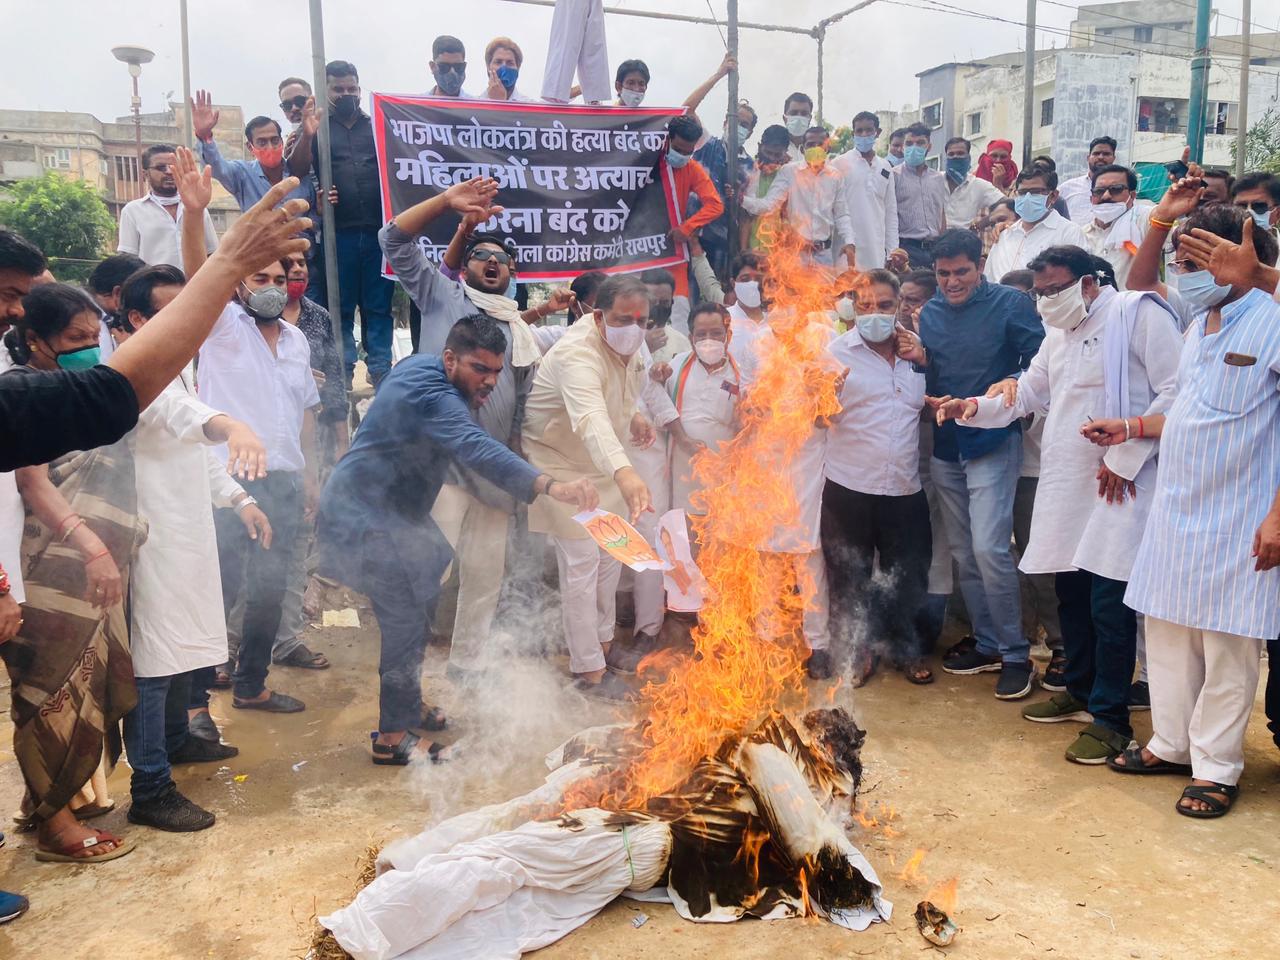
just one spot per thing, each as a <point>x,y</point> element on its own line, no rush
<point>876,327</point>
<point>631,98</point>
<point>797,125</point>
<point>844,309</point>
<point>624,341</point>
<point>710,352</point>
<point>1108,212</point>
<point>748,293</point>
<point>1067,310</point>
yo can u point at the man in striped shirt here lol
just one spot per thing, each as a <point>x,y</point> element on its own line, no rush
<point>1206,576</point>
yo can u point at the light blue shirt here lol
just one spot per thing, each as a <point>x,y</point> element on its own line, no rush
<point>244,179</point>
<point>1219,470</point>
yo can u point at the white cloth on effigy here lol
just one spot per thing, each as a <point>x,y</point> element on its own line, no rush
<point>577,43</point>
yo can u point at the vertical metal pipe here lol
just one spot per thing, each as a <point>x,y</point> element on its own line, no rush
<point>188,134</point>
<point>1242,112</point>
<point>822,37</point>
<point>731,136</point>
<point>1199,84</point>
<point>137,125</point>
<point>330,244</point>
<point>1029,87</point>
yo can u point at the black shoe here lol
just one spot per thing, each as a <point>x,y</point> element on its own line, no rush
<point>1015,680</point>
<point>625,657</point>
<point>199,750</point>
<point>203,727</point>
<point>1140,695</point>
<point>960,648</point>
<point>171,811</point>
<point>611,688</point>
<point>819,665</point>
<point>970,662</point>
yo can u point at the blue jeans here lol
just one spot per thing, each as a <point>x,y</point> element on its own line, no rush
<point>152,731</point>
<point>977,508</point>
<point>362,285</point>
<point>1100,640</point>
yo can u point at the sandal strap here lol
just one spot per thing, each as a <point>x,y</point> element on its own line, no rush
<point>400,751</point>
<point>1206,794</point>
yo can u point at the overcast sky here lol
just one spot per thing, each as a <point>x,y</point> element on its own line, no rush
<point>58,51</point>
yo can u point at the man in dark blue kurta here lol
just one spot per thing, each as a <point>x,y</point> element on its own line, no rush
<point>375,529</point>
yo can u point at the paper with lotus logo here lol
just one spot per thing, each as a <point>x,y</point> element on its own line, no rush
<point>620,540</point>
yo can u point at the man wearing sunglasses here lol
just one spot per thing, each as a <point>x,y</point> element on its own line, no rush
<point>1259,193</point>
<point>472,513</point>
<point>299,107</point>
<point>1120,220</point>
<point>449,68</point>
<point>151,226</point>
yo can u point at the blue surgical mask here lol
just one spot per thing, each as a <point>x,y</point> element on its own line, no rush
<point>511,289</point>
<point>875,327</point>
<point>864,144</point>
<point>958,168</point>
<point>1031,207</point>
<point>744,132</point>
<point>1261,220</point>
<point>676,159</point>
<point>1199,289</point>
<point>80,359</point>
<point>915,156</point>
<point>894,159</point>
<point>507,76</point>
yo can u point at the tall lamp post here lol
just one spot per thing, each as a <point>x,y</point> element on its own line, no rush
<point>135,57</point>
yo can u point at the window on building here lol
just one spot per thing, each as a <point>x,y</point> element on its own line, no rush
<point>1142,34</point>
<point>931,114</point>
<point>973,124</point>
<point>1046,112</point>
<point>1224,117</point>
<point>126,169</point>
<point>1161,115</point>
<point>58,159</point>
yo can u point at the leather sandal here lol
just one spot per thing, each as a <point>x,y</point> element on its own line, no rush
<point>404,752</point>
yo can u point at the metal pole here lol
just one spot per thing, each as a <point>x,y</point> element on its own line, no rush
<point>731,135</point>
<point>1029,87</point>
<point>1242,112</point>
<point>188,131</point>
<point>137,127</point>
<point>329,231</point>
<point>1199,83</point>
<point>822,36</point>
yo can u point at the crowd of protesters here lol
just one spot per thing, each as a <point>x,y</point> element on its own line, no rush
<point>1060,418</point>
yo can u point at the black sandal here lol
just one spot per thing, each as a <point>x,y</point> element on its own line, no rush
<point>911,669</point>
<point>1055,675</point>
<point>434,718</point>
<point>960,648</point>
<point>1133,763</point>
<point>1205,794</point>
<point>404,752</point>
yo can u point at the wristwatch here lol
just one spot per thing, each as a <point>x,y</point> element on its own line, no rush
<point>238,507</point>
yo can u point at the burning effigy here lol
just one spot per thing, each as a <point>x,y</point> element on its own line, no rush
<point>757,829</point>
<point>714,800</point>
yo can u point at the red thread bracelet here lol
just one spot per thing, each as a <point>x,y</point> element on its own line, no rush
<point>1141,430</point>
<point>98,556</point>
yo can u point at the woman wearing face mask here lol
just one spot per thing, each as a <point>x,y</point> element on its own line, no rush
<point>1105,354</point>
<point>1206,574</point>
<point>69,665</point>
<point>873,501</point>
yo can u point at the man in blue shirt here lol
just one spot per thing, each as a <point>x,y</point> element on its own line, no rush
<point>972,334</point>
<point>374,525</point>
<point>246,180</point>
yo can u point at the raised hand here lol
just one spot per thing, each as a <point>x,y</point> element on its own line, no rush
<point>310,118</point>
<point>1232,264</point>
<point>561,299</point>
<point>203,117</point>
<point>1180,200</point>
<point>473,197</point>
<point>660,372</point>
<point>195,186</point>
<point>269,230</point>
<point>727,65</point>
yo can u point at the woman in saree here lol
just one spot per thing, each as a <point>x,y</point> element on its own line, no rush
<point>69,666</point>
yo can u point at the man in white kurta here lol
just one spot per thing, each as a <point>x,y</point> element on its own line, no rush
<point>578,423</point>
<point>1103,352</point>
<point>1120,220</point>
<point>869,195</point>
<point>1039,226</point>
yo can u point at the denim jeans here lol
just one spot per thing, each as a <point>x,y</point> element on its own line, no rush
<point>362,285</point>
<point>1100,640</point>
<point>262,574</point>
<point>403,623</point>
<point>977,508</point>
<point>153,729</point>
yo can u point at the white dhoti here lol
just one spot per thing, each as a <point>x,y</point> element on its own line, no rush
<point>588,584</point>
<point>577,44</point>
<point>478,534</point>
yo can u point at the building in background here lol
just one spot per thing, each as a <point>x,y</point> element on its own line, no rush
<point>105,154</point>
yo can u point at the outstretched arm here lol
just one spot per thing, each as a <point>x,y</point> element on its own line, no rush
<point>694,100</point>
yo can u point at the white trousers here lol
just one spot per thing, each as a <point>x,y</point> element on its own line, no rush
<point>588,582</point>
<point>577,43</point>
<point>478,535</point>
<point>814,625</point>
<point>1202,690</point>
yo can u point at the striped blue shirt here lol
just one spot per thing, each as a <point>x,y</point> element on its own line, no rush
<point>1219,470</point>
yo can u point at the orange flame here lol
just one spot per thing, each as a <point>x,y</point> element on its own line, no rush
<point>747,648</point>
<point>943,895</point>
<point>911,874</point>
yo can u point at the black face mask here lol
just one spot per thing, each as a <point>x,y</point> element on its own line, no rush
<point>346,106</point>
<point>660,314</point>
<point>449,80</point>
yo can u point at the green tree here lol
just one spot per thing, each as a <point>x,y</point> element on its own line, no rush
<point>1262,144</point>
<point>841,140</point>
<point>67,219</point>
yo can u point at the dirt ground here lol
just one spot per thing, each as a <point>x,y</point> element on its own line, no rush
<point>1052,859</point>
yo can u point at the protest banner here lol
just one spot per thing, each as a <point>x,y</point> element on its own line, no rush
<point>581,188</point>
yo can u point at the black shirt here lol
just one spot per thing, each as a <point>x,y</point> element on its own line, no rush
<point>46,414</point>
<point>355,173</point>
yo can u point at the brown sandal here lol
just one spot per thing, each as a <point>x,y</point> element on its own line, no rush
<point>917,671</point>
<point>66,852</point>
